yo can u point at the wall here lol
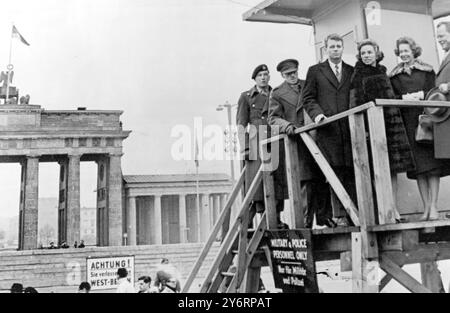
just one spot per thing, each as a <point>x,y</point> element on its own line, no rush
<point>345,19</point>
<point>52,269</point>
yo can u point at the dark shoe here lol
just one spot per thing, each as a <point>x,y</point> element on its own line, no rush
<point>342,222</point>
<point>283,226</point>
<point>327,222</point>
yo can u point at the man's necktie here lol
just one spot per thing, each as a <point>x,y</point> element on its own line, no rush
<point>338,74</point>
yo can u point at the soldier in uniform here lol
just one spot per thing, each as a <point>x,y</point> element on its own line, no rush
<point>286,112</point>
<point>251,119</point>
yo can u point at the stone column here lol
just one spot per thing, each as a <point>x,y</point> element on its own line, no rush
<point>157,229</point>
<point>23,165</point>
<point>73,200</point>
<point>183,220</point>
<point>131,229</point>
<point>30,210</point>
<point>114,195</point>
<point>102,221</point>
<point>62,201</point>
<point>216,208</point>
<point>204,217</point>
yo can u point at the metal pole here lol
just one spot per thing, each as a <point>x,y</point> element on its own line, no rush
<point>198,206</point>
<point>230,140</point>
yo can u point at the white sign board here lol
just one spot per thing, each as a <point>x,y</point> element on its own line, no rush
<point>102,272</point>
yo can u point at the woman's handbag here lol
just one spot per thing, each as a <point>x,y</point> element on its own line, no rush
<point>424,132</point>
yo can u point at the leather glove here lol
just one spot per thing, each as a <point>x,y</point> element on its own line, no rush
<point>290,130</point>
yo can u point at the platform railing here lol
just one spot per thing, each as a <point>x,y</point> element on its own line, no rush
<point>380,162</point>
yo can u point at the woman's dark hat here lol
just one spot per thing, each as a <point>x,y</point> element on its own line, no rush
<point>437,115</point>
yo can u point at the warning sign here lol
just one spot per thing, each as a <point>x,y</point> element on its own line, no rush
<point>102,272</point>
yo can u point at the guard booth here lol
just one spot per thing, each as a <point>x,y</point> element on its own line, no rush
<point>377,248</point>
<point>384,21</point>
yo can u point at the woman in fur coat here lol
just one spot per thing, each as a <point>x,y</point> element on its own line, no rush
<point>411,80</point>
<point>370,82</point>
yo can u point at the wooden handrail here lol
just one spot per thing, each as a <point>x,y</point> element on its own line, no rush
<point>329,120</point>
<point>408,103</point>
<point>215,231</point>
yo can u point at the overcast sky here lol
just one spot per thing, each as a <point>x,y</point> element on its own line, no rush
<point>163,62</point>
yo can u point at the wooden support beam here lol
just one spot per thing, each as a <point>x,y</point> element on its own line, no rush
<point>293,181</point>
<point>431,277</point>
<point>401,276</point>
<point>422,253</point>
<point>405,240</point>
<point>215,231</point>
<point>364,271</point>
<point>381,169</point>
<point>363,181</point>
<point>251,249</point>
<point>333,180</point>
<point>252,279</point>
<point>242,248</point>
<point>413,225</point>
<point>269,189</point>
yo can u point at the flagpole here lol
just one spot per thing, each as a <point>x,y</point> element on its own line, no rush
<point>198,203</point>
<point>196,187</point>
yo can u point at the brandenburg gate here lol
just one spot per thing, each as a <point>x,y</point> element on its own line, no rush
<point>30,134</point>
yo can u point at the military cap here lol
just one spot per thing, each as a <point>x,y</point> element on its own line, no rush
<point>289,64</point>
<point>258,69</point>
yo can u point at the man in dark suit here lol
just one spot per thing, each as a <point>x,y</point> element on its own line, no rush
<point>443,75</point>
<point>442,128</point>
<point>326,93</point>
<point>286,114</point>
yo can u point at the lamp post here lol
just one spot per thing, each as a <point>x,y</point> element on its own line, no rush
<point>228,107</point>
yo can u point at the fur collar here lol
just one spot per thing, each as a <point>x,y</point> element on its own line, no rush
<point>407,69</point>
<point>369,69</point>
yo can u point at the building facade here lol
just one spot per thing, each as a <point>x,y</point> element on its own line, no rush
<point>163,209</point>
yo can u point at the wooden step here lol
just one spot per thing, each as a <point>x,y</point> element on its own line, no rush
<point>227,274</point>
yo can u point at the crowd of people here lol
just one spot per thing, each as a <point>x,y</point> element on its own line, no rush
<point>64,245</point>
<point>332,87</point>
<point>167,280</point>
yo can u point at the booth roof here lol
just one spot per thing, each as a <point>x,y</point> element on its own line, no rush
<point>302,11</point>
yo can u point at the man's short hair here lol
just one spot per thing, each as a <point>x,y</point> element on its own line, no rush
<point>335,37</point>
<point>446,24</point>
<point>146,279</point>
<point>122,272</point>
<point>30,290</point>
<point>85,286</point>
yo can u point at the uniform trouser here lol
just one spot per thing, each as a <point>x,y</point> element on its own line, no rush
<point>347,177</point>
<point>315,199</point>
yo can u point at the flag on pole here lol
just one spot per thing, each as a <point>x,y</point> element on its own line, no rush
<point>15,33</point>
<point>196,152</point>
